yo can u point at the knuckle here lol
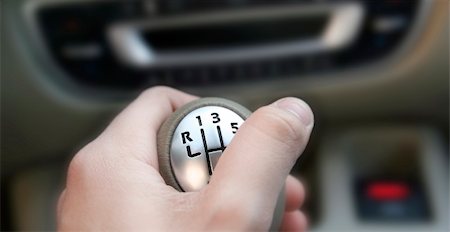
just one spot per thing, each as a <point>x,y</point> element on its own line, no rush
<point>80,166</point>
<point>76,169</point>
<point>237,211</point>
<point>227,208</point>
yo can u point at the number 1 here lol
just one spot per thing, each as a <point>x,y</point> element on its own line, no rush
<point>199,120</point>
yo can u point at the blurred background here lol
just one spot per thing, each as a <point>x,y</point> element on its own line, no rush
<point>376,74</point>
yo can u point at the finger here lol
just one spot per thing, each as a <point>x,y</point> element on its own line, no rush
<point>295,194</point>
<point>60,203</point>
<point>260,156</point>
<point>294,221</point>
<point>151,108</point>
<point>135,128</point>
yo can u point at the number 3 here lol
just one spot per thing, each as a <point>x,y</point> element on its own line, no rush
<point>215,117</point>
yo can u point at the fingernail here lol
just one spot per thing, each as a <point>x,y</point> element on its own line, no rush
<point>298,108</point>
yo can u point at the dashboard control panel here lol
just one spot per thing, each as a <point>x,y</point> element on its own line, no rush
<point>140,43</point>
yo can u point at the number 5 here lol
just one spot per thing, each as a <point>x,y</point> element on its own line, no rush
<point>234,127</point>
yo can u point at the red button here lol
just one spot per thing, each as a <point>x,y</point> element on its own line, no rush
<point>388,191</point>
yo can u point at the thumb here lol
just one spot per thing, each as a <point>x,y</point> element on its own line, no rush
<point>261,155</point>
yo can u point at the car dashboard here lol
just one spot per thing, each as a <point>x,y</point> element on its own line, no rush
<point>374,72</point>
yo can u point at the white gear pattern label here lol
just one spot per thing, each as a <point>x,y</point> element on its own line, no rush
<point>198,142</point>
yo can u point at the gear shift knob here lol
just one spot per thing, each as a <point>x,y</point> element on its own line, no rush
<point>192,140</point>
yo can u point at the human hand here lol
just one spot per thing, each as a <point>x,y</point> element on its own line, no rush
<point>113,183</point>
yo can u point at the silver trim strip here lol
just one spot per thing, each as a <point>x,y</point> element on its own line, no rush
<point>343,26</point>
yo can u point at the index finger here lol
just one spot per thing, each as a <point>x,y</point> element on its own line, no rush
<point>135,128</point>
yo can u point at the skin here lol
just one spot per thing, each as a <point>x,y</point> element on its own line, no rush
<point>113,183</point>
